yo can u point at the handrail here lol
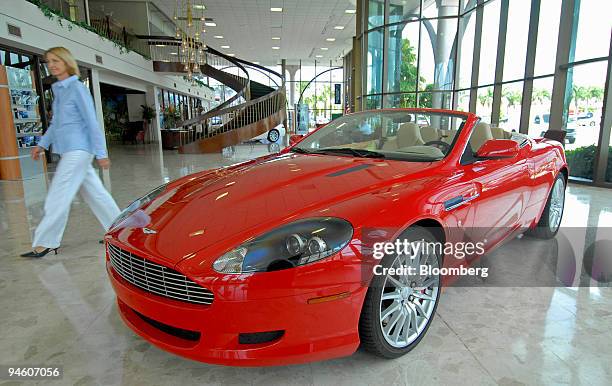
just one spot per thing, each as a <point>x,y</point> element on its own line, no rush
<point>239,110</point>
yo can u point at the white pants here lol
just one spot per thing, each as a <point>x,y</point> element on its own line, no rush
<point>74,172</point>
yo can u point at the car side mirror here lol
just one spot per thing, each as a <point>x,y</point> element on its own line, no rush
<point>498,148</point>
<point>295,138</point>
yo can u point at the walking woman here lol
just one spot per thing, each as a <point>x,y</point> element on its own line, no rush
<point>76,136</point>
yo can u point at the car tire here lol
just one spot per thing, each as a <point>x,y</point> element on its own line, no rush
<point>550,221</point>
<point>273,135</point>
<point>592,123</point>
<point>372,326</point>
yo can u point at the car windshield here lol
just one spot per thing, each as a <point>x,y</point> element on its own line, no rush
<point>403,135</point>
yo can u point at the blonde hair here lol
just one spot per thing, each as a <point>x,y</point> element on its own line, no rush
<point>66,56</point>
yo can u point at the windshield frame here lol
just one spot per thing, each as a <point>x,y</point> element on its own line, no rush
<point>389,154</point>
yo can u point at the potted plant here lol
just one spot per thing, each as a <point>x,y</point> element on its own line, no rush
<point>172,115</point>
<point>148,113</point>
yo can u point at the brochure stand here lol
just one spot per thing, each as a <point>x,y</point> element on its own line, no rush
<point>20,125</point>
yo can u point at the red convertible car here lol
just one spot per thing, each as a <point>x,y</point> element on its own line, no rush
<point>274,261</point>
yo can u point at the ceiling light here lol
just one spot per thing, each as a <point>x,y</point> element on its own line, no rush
<point>210,24</point>
<point>160,45</point>
<point>199,6</point>
<point>255,62</point>
<point>331,39</point>
<point>350,11</point>
<point>276,38</point>
<point>339,27</point>
<point>173,53</point>
<point>225,46</point>
<point>276,9</point>
<point>324,48</point>
<point>318,56</point>
<point>276,48</point>
<point>231,54</point>
<point>218,37</point>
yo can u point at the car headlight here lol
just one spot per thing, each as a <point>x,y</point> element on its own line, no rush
<point>298,243</point>
<point>137,204</point>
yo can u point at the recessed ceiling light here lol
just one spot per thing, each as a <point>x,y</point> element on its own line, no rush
<point>255,62</point>
<point>173,53</point>
<point>350,11</point>
<point>318,56</point>
<point>199,6</point>
<point>331,39</point>
<point>276,9</point>
<point>276,48</point>
<point>231,54</point>
<point>339,27</point>
<point>276,38</point>
<point>210,24</point>
<point>225,47</point>
<point>218,37</point>
<point>324,48</point>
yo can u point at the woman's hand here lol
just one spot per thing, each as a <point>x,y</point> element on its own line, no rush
<point>104,163</point>
<point>35,152</point>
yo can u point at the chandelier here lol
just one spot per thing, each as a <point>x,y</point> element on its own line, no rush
<point>190,22</point>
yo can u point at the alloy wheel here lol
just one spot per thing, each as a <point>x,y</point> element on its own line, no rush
<point>408,301</point>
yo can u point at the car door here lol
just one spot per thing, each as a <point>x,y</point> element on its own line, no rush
<point>504,186</point>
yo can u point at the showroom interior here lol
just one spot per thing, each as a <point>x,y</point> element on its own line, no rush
<point>198,97</point>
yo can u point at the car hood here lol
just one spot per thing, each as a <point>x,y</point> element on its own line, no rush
<point>211,207</point>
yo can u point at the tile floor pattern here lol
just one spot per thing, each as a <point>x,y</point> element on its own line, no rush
<point>61,310</point>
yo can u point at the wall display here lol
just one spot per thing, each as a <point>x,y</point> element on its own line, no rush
<point>21,126</point>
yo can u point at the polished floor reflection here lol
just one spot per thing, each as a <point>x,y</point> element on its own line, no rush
<point>61,310</point>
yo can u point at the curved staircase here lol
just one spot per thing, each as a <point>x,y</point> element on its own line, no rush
<point>252,111</point>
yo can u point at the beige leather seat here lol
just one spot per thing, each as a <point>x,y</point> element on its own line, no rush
<point>499,133</point>
<point>429,133</point>
<point>480,135</point>
<point>409,134</point>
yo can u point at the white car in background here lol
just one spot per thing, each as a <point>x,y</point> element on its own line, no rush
<point>274,135</point>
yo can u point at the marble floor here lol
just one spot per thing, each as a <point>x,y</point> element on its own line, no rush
<point>60,309</point>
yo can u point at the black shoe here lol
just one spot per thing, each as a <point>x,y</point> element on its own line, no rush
<point>39,254</point>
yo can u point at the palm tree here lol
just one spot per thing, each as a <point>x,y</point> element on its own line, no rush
<point>541,95</point>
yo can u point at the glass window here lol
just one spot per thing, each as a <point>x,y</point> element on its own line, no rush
<point>609,170</point>
<point>467,30</point>
<point>510,108</point>
<point>374,62</point>
<point>548,35</point>
<point>372,102</point>
<point>400,10</point>
<point>539,116</point>
<point>434,99</point>
<point>488,48</point>
<point>400,100</point>
<point>593,34</point>
<point>584,119</point>
<point>376,13</point>
<point>463,100</point>
<point>402,57</point>
<point>436,61</point>
<point>484,102</point>
<point>516,39</point>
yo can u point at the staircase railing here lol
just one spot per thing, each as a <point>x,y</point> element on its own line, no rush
<point>239,110</point>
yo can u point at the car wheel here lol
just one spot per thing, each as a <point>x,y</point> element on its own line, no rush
<point>273,135</point>
<point>398,309</point>
<point>592,123</point>
<point>549,223</point>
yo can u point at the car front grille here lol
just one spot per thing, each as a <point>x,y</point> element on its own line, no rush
<point>156,278</point>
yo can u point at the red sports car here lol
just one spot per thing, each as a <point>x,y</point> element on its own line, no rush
<point>290,257</point>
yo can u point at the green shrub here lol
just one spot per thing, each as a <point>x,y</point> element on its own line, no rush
<point>581,162</point>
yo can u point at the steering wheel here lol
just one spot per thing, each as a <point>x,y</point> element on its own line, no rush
<point>443,146</point>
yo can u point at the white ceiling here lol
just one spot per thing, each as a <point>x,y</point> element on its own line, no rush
<point>248,27</point>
